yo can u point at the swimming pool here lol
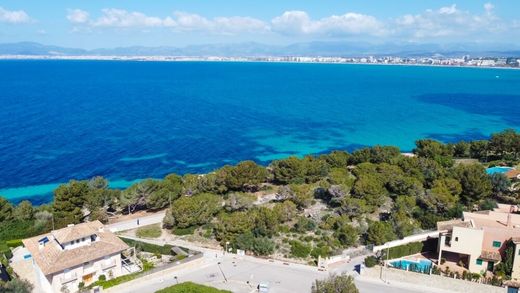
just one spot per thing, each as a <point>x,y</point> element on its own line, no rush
<point>494,170</point>
<point>421,266</point>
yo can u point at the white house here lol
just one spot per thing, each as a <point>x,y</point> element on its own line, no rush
<point>78,253</point>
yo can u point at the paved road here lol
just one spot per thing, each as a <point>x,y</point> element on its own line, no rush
<point>242,274</point>
<point>233,274</point>
<point>132,224</point>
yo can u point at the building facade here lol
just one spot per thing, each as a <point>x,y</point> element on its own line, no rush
<point>479,239</point>
<point>82,253</point>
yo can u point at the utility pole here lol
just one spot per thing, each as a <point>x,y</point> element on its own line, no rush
<point>218,264</point>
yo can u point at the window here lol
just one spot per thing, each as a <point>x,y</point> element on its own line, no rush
<point>479,261</point>
<point>497,244</point>
<point>456,239</point>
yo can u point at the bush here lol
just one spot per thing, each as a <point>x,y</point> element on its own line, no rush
<point>152,231</point>
<point>148,247</point>
<point>323,251</point>
<point>5,250</point>
<point>189,287</point>
<point>102,278</point>
<point>300,250</point>
<point>370,261</point>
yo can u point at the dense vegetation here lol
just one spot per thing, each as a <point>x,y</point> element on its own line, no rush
<point>320,204</point>
<point>189,287</point>
<point>16,286</point>
<point>335,284</point>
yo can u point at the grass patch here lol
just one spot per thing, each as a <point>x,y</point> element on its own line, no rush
<point>152,231</point>
<point>189,287</point>
<point>184,231</point>
<point>148,247</point>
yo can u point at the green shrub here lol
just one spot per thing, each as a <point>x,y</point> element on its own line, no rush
<point>102,278</point>
<point>5,250</point>
<point>370,261</point>
<point>299,249</point>
<point>189,287</point>
<point>322,251</point>
<point>152,231</point>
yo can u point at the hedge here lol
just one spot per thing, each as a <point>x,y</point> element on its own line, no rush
<point>404,250</point>
<point>148,247</point>
<point>14,243</point>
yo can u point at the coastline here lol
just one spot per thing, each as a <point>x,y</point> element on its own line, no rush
<point>211,59</point>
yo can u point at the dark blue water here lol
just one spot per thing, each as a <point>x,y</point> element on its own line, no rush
<point>128,120</point>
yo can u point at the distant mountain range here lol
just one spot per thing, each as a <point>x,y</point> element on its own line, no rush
<point>252,49</point>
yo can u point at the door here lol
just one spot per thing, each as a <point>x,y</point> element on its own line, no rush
<point>490,266</point>
<point>87,279</point>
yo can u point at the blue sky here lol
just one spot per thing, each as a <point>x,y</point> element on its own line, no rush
<point>96,23</point>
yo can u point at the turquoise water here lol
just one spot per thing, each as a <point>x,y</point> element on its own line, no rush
<point>421,266</point>
<point>494,170</point>
<point>127,120</point>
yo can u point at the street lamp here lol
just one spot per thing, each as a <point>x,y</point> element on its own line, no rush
<point>227,243</point>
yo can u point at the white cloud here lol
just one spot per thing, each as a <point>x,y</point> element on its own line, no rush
<point>239,24</point>
<point>441,23</point>
<point>192,22</point>
<point>13,16</point>
<point>489,7</point>
<point>121,18</point>
<point>181,21</point>
<point>299,22</point>
<point>77,16</point>
<point>448,21</point>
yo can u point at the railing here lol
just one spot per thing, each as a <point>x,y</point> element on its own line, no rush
<point>69,278</point>
<point>90,268</point>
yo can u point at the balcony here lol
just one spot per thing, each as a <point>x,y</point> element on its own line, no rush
<point>68,278</point>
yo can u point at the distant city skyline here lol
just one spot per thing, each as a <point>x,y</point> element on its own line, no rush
<point>107,24</point>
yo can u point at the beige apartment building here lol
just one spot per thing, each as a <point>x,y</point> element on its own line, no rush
<point>78,253</point>
<point>479,238</point>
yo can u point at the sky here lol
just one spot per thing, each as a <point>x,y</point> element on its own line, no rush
<point>117,23</point>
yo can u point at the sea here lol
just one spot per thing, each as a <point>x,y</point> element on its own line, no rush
<point>63,120</point>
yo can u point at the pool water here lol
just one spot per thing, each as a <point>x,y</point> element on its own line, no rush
<point>421,266</point>
<point>494,170</point>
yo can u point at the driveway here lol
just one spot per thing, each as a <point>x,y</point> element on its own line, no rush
<point>132,224</point>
